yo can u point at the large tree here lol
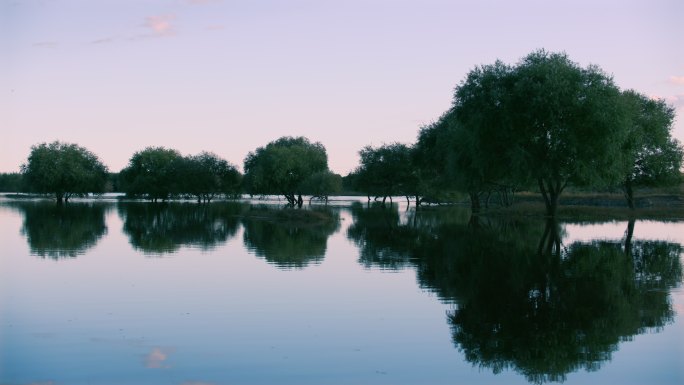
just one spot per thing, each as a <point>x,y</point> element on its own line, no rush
<point>152,173</point>
<point>547,121</point>
<point>652,157</point>
<point>63,169</point>
<point>281,167</point>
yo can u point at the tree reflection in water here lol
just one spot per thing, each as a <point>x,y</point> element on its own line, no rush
<point>289,244</point>
<point>61,231</point>
<point>164,228</point>
<point>522,300</point>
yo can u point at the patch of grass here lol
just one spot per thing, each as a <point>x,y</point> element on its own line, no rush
<point>292,216</point>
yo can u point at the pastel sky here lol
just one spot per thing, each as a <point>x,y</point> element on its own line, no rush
<point>228,76</point>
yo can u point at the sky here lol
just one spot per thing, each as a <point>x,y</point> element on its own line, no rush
<point>228,76</point>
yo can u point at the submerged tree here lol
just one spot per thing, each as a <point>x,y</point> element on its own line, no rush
<point>63,169</point>
<point>386,171</point>
<point>282,166</point>
<point>152,173</point>
<point>206,175</point>
<point>652,157</point>
<point>321,185</point>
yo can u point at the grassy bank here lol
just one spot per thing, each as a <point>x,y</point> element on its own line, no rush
<point>661,204</point>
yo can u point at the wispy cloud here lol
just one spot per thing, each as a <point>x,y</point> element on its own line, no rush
<point>156,359</point>
<point>46,44</point>
<point>103,40</point>
<point>678,80</point>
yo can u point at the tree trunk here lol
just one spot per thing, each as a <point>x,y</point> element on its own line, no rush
<point>474,202</point>
<point>628,238</point>
<point>628,190</point>
<point>417,201</point>
<point>551,191</point>
<point>300,201</point>
<point>290,199</point>
<point>383,200</point>
<point>60,198</point>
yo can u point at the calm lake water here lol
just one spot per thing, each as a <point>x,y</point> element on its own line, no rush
<point>130,293</point>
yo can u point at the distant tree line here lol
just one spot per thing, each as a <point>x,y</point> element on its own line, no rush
<point>543,124</point>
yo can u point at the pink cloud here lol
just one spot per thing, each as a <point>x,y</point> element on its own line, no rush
<point>678,80</point>
<point>161,25</point>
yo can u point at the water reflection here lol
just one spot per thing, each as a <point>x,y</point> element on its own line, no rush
<point>164,228</point>
<point>288,244</point>
<point>61,231</point>
<point>381,238</point>
<point>523,300</point>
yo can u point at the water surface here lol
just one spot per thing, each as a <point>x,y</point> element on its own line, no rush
<point>135,293</point>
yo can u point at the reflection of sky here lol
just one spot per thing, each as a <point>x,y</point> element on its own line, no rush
<point>646,230</point>
<point>113,316</point>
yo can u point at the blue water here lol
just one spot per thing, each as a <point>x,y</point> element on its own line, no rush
<point>222,306</point>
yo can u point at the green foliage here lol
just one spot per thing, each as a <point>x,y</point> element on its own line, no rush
<point>63,169</point>
<point>11,182</point>
<point>282,166</point>
<point>651,156</point>
<point>206,175</point>
<point>152,173</point>
<point>322,184</point>
<point>386,171</point>
<point>546,120</point>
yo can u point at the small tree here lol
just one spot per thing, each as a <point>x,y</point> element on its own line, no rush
<point>206,175</point>
<point>282,166</point>
<point>65,170</point>
<point>152,173</point>
<point>321,185</point>
<point>386,171</point>
<point>652,157</point>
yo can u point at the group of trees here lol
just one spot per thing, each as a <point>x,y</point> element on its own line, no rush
<point>158,173</point>
<point>289,166</point>
<point>544,124</point>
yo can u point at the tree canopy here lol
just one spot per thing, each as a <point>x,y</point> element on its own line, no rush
<point>63,169</point>
<point>651,156</point>
<point>206,175</point>
<point>152,173</point>
<point>281,167</point>
<point>386,171</point>
<point>545,121</point>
